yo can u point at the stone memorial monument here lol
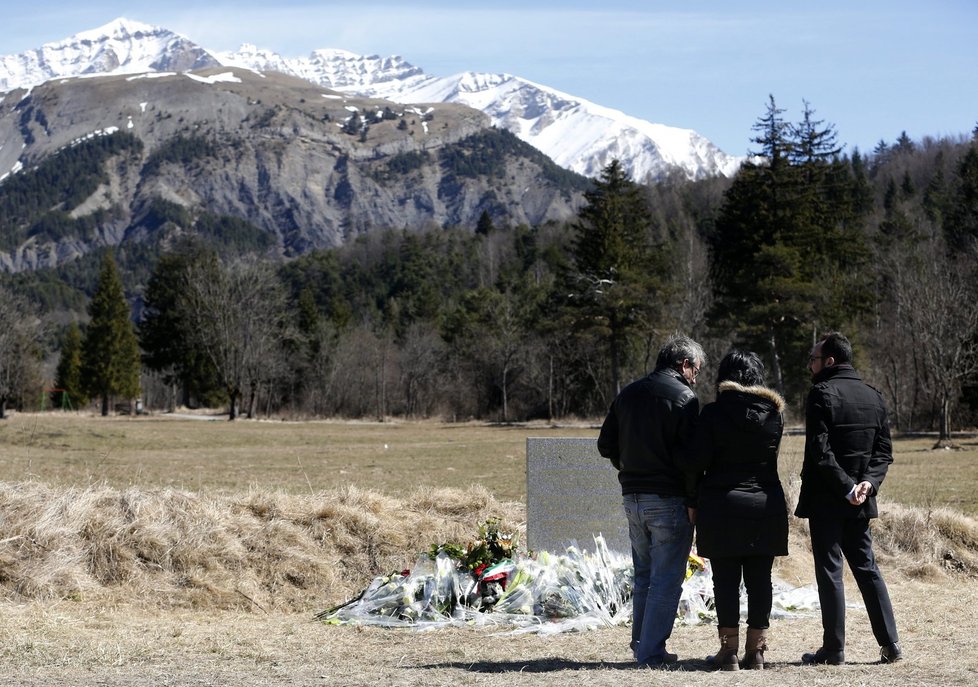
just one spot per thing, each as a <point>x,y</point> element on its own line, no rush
<point>572,494</point>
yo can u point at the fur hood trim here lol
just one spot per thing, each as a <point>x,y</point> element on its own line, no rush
<point>762,391</point>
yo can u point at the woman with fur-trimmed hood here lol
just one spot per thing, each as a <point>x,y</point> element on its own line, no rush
<point>741,518</point>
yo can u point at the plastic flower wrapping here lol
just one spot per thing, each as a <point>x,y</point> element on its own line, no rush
<point>490,584</point>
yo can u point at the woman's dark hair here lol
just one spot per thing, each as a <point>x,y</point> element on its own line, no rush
<point>743,367</point>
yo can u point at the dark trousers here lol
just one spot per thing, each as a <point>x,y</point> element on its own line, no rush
<point>756,572</point>
<point>831,540</point>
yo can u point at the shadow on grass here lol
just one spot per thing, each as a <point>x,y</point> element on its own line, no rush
<point>552,665</point>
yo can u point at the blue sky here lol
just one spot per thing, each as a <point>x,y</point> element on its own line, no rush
<point>872,68</point>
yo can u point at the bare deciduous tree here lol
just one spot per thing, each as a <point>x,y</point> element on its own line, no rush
<point>938,300</point>
<point>320,369</point>
<point>238,315</point>
<point>421,354</point>
<point>21,331</point>
<point>364,369</point>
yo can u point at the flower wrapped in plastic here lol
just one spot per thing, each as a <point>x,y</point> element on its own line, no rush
<point>451,586</point>
<point>488,583</point>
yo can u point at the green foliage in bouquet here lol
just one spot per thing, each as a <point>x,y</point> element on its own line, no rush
<point>491,547</point>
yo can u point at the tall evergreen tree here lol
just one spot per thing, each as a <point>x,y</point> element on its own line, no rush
<point>814,141</point>
<point>68,377</point>
<point>961,225</point>
<point>165,333</point>
<point>862,189</point>
<point>773,135</point>
<point>110,361</point>
<point>786,249</point>
<point>615,275</point>
<point>484,226</point>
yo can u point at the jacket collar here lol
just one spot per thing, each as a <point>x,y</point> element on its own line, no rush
<point>840,371</point>
<point>669,372</point>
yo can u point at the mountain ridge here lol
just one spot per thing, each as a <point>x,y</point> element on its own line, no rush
<point>579,135</point>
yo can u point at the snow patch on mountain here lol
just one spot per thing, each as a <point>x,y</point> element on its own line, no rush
<point>577,134</point>
<point>224,77</point>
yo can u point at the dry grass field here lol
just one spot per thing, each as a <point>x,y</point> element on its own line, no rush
<point>176,551</point>
<point>209,454</point>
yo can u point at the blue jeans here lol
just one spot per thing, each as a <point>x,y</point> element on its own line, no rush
<point>661,537</point>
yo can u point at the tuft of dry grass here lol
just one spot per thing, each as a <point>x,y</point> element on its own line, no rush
<point>926,540</point>
<point>278,551</point>
<point>264,550</point>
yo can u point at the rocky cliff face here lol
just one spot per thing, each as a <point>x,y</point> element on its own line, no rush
<point>309,166</point>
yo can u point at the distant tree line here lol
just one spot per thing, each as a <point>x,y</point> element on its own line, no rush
<point>506,323</point>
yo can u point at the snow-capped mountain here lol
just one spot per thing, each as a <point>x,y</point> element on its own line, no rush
<point>577,134</point>
<point>121,47</point>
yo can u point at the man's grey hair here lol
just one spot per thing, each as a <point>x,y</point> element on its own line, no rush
<point>678,349</point>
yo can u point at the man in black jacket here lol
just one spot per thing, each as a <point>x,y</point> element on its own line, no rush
<point>847,454</point>
<point>644,435</point>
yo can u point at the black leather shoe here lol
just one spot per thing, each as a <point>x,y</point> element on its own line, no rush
<point>665,661</point>
<point>824,657</point>
<point>891,653</point>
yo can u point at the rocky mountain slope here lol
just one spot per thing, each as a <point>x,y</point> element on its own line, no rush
<point>577,134</point>
<point>302,165</point>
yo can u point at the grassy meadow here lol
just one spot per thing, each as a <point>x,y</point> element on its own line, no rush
<point>178,550</point>
<point>209,455</point>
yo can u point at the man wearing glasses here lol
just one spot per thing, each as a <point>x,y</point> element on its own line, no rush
<point>847,454</point>
<point>644,434</point>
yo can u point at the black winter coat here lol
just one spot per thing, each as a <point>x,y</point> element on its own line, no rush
<point>741,508</point>
<point>646,433</point>
<point>847,441</point>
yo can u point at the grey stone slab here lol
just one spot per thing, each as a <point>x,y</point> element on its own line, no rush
<point>572,494</point>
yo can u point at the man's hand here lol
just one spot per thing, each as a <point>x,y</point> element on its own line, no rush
<point>859,493</point>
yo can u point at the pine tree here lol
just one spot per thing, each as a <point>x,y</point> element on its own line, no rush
<point>110,351</point>
<point>68,378</point>
<point>773,134</point>
<point>814,140</point>
<point>961,225</point>
<point>786,249</point>
<point>484,226</point>
<point>616,269</point>
<point>164,330</point>
<point>904,144</point>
